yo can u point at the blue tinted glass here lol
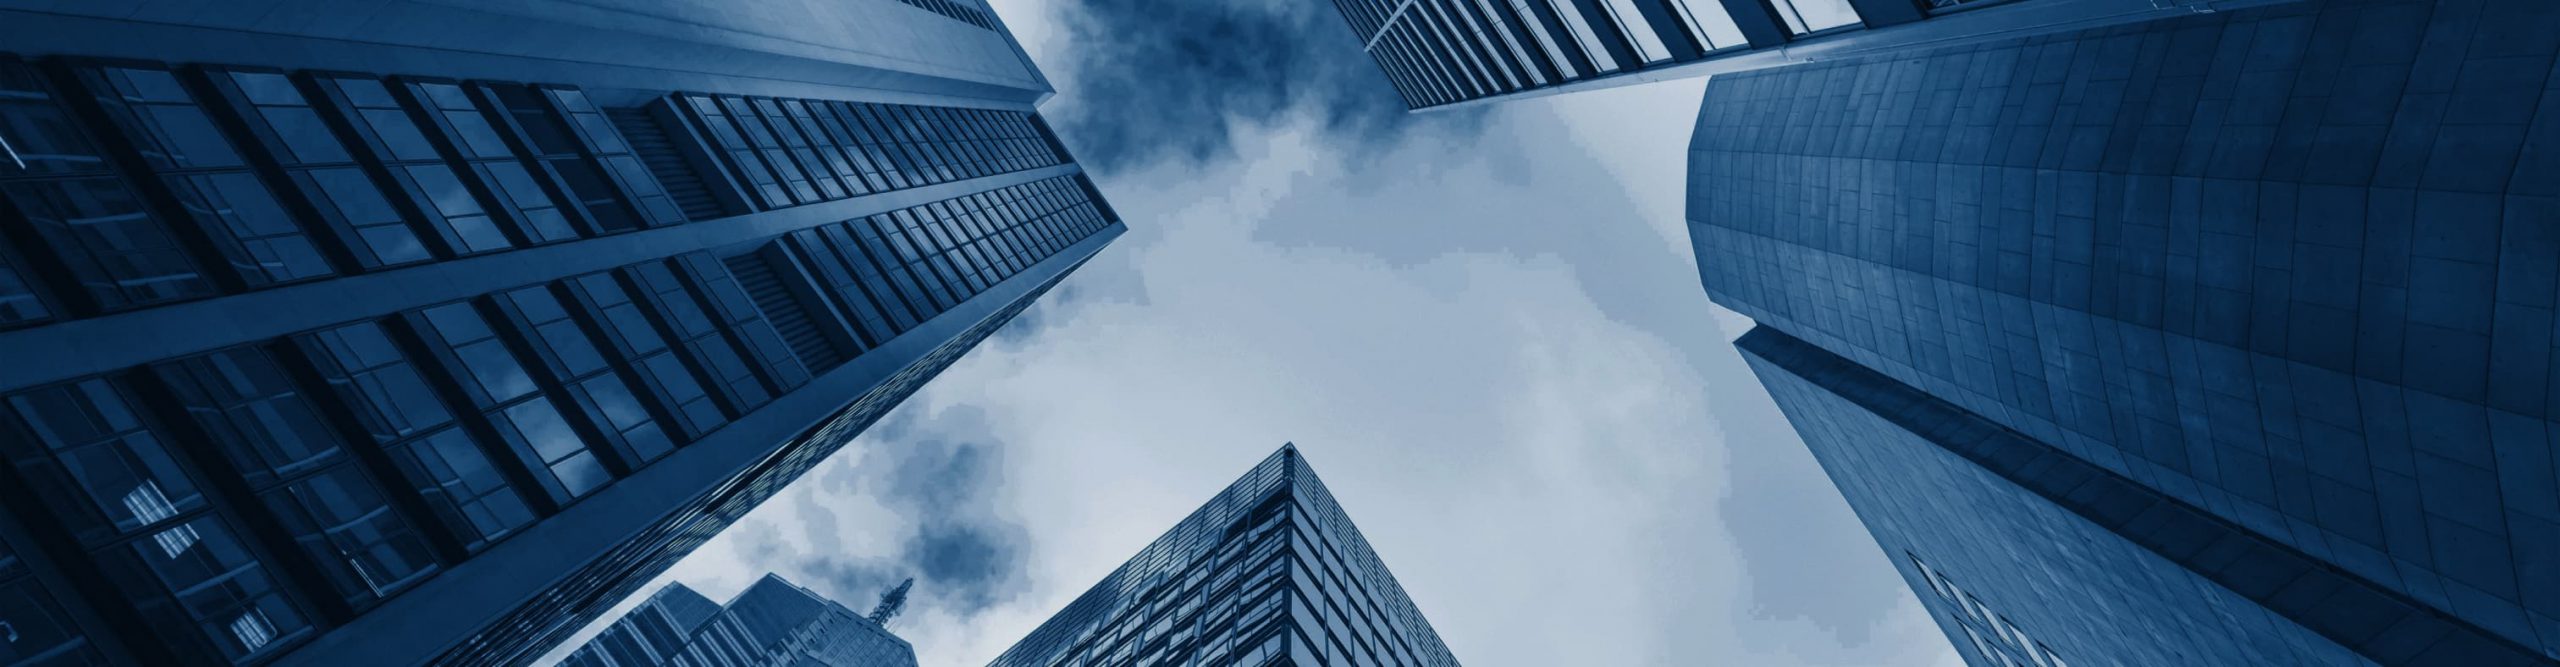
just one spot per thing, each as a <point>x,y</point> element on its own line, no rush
<point>303,134</point>
<point>399,134</point>
<point>262,242</point>
<point>339,518</point>
<point>115,248</point>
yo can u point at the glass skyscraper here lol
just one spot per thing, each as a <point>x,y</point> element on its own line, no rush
<point>1269,572</point>
<point>772,624</point>
<point>1444,52</point>
<point>2218,340</point>
<point>421,332</point>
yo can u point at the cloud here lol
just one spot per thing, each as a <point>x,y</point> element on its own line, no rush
<point>1169,80</point>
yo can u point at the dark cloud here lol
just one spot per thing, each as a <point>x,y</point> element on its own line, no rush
<point>1164,79</point>
<point>939,474</point>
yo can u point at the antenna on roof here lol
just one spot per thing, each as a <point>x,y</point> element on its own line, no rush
<point>891,603</point>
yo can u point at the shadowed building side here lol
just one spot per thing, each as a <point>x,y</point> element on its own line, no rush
<point>2288,271</point>
<point>423,331</point>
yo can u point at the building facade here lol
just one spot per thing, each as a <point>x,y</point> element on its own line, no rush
<point>1439,53</point>
<point>772,624</point>
<point>1269,572</point>
<point>2218,340</point>
<point>422,331</point>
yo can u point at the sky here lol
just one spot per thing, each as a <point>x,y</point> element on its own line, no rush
<point>1482,327</point>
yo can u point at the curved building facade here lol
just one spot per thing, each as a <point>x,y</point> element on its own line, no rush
<point>2257,305</point>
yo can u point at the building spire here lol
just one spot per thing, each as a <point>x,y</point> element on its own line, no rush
<point>891,603</point>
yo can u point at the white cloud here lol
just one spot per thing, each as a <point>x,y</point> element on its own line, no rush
<point>1493,349</point>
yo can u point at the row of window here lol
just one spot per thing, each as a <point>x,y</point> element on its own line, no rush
<point>1442,51</point>
<point>140,185</point>
<point>2006,646</point>
<point>384,450</point>
<point>789,152</point>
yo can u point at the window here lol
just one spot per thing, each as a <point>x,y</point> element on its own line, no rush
<point>462,487</point>
<point>115,248</point>
<point>348,201</point>
<point>367,550</point>
<point>602,395</point>
<point>1708,22</point>
<point>605,142</point>
<point>635,343</point>
<point>736,315</point>
<point>19,303</point>
<point>211,599</point>
<point>497,383</point>
<point>86,452</point>
<point>253,414</point>
<point>761,137</point>
<point>33,629</point>
<point>560,151</point>
<point>444,464</point>
<point>742,158</point>
<point>484,202</point>
<point>699,337</point>
<point>1810,16</point>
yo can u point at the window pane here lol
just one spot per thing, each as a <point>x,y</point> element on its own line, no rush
<point>452,203</point>
<point>359,204</point>
<point>374,379</point>
<point>368,551</point>
<point>115,248</point>
<point>18,301</point>
<point>43,139</point>
<point>126,472</point>
<point>487,369</point>
<point>264,245</point>
<point>35,626</point>
<point>258,418</point>
<point>462,487</point>
<point>537,426</point>
<point>206,593</point>
<point>1804,16</point>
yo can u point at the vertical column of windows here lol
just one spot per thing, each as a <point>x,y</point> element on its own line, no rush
<point>431,187</point>
<point>424,156</point>
<point>604,143</point>
<point>738,318</point>
<point>633,342</point>
<point>210,182</point>
<point>114,251</point>
<point>795,142</point>
<point>828,145</point>
<point>113,484</point>
<point>443,463</point>
<point>702,340</point>
<point>322,172</point>
<point>847,145</point>
<point>602,395</point>
<point>836,276</point>
<point>495,382</point>
<point>742,160</point>
<point>760,137</point>
<point>287,456</point>
<point>540,132</point>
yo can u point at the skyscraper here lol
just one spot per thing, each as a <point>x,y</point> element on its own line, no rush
<point>1445,52</point>
<point>2218,340</point>
<point>1269,572</point>
<point>418,331</point>
<point>772,624</point>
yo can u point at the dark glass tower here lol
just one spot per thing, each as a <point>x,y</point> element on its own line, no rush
<point>772,624</point>
<point>2218,340</point>
<point>396,333</point>
<point>1269,572</point>
<point>1444,52</point>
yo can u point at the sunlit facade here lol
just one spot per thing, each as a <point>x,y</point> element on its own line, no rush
<point>1269,572</point>
<point>403,333</point>
<point>1438,53</point>
<point>2224,339</point>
